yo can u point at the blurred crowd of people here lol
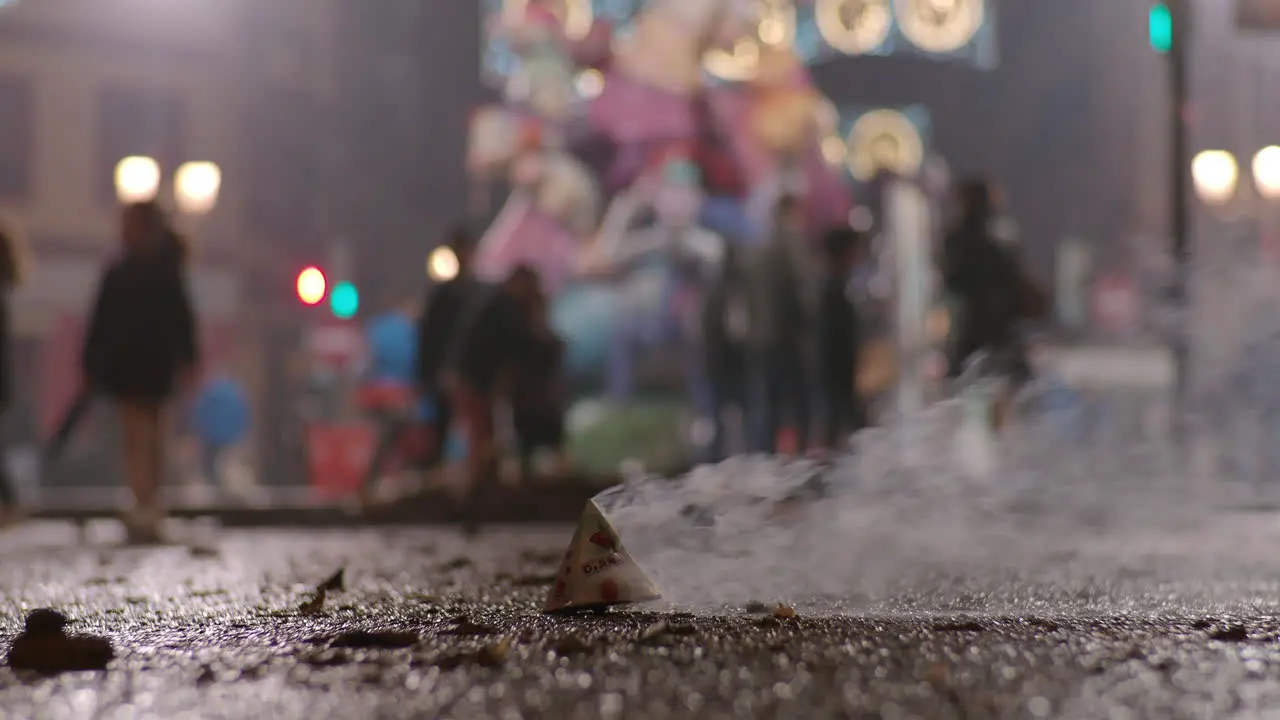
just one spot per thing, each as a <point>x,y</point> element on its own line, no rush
<point>779,336</point>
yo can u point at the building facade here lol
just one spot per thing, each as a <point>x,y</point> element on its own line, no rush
<point>86,83</point>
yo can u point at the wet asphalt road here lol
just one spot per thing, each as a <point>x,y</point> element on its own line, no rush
<point>211,628</point>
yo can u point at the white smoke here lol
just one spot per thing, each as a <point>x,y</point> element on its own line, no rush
<point>1074,474</point>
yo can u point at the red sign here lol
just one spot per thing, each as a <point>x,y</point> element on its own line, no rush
<point>337,343</point>
<point>338,457</point>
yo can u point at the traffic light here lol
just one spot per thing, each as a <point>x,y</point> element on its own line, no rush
<point>1160,27</point>
<point>344,301</point>
<point>311,286</point>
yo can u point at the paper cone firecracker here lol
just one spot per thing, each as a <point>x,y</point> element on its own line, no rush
<point>597,572</point>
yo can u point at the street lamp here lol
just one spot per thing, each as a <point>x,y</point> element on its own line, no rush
<point>137,179</point>
<point>1266,172</point>
<point>1215,175</point>
<point>196,186</point>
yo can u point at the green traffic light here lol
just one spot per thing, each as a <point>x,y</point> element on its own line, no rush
<point>1160,27</point>
<point>344,300</point>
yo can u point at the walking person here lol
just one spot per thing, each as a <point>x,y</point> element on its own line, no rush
<point>140,350</point>
<point>784,275</point>
<point>727,325</point>
<point>220,417</point>
<point>538,392</point>
<point>840,337</point>
<point>993,296</point>
<point>12,272</point>
<point>481,371</point>
<point>439,328</point>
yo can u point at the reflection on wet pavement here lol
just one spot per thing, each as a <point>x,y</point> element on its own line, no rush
<point>422,625</point>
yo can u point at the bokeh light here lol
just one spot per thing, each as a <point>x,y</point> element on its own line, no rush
<point>1266,172</point>
<point>344,301</point>
<point>137,179</point>
<point>442,265</point>
<point>1215,174</point>
<point>311,286</point>
<point>196,186</point>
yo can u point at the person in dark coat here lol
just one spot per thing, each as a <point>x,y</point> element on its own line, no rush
<point>839,338</point>
<point>439,328</point>
<point>993,293</point>
<point>482,367</point>
<point>140,349</point>
<point>12,271</point>
<point>538,390</point>
<point>984,277</point>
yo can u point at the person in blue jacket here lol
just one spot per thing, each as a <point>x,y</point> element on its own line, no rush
<point>220,419</point>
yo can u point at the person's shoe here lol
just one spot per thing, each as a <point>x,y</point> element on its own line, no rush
<point>143,535</point>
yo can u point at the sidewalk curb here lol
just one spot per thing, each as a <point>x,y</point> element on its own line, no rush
<point>534,506</point>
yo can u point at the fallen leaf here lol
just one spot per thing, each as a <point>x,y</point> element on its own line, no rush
<point>1232,633</point>
<point>785,612</point>
<point>457,563</point>
<point>654,631</point>
<point>315,605</point>
<point>203,551</point>
<point>755,607</point>
<point>334,583</point>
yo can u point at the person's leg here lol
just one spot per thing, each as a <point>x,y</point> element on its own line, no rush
<point>8,494</point>
<point>138,427</point>
<point>157,463</point>
<point>209,465</point>
<point>481,453</point>
<point>798,389</point>
<point>390,432</point>
<point>776,404</point>
<point>444,426</point>
<point>526,445</point>
<point>620,375</point>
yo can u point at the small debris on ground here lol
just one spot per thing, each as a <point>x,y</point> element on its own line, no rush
<point>457,563</point>
<point>1231,633</point>
<point>334,583</point>
<point>45,647</point>
<point>378,639</point>
<point>203,551</point>
<point>785,612</point>
<point>315,605</point>
<point>755,607</point>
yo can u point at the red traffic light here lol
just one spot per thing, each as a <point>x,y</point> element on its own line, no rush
<point>311,286</point>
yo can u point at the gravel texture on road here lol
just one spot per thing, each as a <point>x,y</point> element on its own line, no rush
<point>422,624</point>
